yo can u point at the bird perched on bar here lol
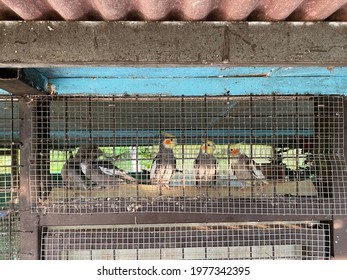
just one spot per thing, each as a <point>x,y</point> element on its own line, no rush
<point>205,165</point>
<point>164,164</point>
<point>101,172</point>
<point>245,169</point>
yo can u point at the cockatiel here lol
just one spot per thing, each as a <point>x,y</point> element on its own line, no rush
<point>164,164</point>
<point>245,169</point>
<point>72,175</point>
<point>101,172</point>
<point>205,165</point>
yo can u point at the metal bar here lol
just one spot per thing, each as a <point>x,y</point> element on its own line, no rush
<point>339,234</point>
<point>151,99</point>
<point>29,229</point>
<point>163,218</point>
<point>14,160</point>
<point>339,238</point>
<point>183,138</point>
<point>16,82</point>
<point>42,112</point>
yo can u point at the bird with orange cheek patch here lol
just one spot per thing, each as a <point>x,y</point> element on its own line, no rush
<point>205,165</point>
<point>164,164</point>
<point>245,169</point>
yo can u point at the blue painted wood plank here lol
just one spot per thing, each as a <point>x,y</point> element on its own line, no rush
<point>186,72</point>
<point>201,86</point>
<point>7,135</point>
<point>309,72</point>
<point>154,72</point>
<point>36,79</point>
<point>150,137</point>
<point>198,133</point>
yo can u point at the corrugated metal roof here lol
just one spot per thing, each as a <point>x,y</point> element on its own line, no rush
<point>213,10</point>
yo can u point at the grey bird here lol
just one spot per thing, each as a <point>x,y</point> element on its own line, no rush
<point>164,164</point>
<point>205,165</point>
<point>245,169</point>
<point>101,172</point>
<point>72,175</point>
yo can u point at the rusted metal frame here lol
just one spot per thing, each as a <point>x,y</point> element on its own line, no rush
<point>29,222</point>
<point>339,224</point>
<point>16,82</point>
<point>324,189</point>
<point>274,143</point>
<point>296,144</point>
<point>84,239</point>
<point>166,218</point>
<point>183,138</point>
<point>164,98</point>
<point>251,118</point>
<point>14,192</point>
<point>14,160</point>
<point>229,141</point>
<point>136,115</point>
<point>42,154</point>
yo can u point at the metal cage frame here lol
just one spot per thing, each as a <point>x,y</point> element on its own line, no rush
<point>223,44</point>
<point>312,124</point>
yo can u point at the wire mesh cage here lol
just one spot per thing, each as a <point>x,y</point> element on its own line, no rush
<point>9,235</point>
<point>217,154</point>
<point>9,178</point>
<point>9,153</point>
<point>291,240</point>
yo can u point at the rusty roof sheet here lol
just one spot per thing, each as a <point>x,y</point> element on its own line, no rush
<point>157,10</point>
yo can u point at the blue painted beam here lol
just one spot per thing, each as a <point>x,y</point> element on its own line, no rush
<point>196,133</point>
<point>201,86</point>
<point>36,79</point>
<point>6,136</point>
<point>190,81</point>
<point>190,72</point>
<point>149,137</point>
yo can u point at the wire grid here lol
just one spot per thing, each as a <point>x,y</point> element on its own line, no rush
<point>291,240</point>
<point>9,153</point>
<point>9,178</point>
<point>9,235</point>
<point>275,154</point>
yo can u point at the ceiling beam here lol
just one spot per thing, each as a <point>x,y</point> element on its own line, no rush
<point>58,43</point>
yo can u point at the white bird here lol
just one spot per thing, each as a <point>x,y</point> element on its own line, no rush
<point>101,172</point>
<point>205,165</point>
<point>72,174</point>
<point>245,169</point>
<point>164,164</point>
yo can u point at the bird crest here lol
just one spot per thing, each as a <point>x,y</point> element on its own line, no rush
<point>165,135</point>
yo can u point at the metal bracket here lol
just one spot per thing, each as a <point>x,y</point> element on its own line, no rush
<point>21,81</point>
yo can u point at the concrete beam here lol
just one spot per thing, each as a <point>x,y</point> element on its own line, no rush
<point>55,43</point>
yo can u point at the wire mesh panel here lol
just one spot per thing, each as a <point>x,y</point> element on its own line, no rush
<point>9,178</point>
<point>9,235</point>
<point>292,240</point>
<point>9,152</point>
<point>216,154</point>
